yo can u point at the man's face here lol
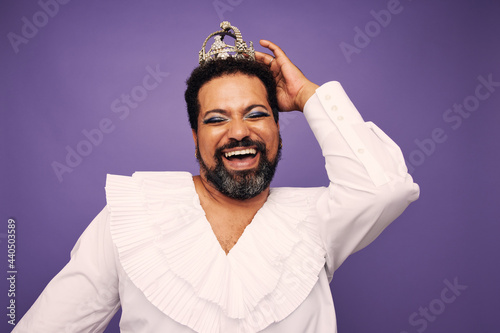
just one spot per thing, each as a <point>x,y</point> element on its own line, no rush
<point>237,139</point>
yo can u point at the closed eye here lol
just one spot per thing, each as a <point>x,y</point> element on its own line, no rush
<point>257,114</point>
<point>214,120</point>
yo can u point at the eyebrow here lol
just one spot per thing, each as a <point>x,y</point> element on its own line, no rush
<point>247,109</point>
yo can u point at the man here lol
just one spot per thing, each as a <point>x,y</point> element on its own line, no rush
<point>222,252</point>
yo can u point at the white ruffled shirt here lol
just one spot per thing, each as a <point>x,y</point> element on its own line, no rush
<point>152,251</point>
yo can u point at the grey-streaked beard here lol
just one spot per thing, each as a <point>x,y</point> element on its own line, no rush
<point>241,185</point>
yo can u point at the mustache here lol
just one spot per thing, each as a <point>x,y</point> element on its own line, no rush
<point>259,146</point>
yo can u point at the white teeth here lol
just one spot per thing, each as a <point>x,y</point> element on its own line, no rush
<point>241,152</point>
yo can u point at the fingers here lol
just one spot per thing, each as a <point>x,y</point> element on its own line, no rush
<point>263,57</point>
<point>267,60</point>
<point>278,52</point>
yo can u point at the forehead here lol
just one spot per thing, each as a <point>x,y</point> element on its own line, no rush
<point>231,92</point>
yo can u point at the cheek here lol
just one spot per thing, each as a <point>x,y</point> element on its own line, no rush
<point>275,140</point>
<point>271,135</point>
<point>203,147</point>
<point>207,142</point>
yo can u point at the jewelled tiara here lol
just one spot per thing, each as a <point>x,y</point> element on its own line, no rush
<point>220,50</point>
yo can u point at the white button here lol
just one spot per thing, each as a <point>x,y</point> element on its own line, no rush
<point>327,97</point>
<point>361,150</point>
<point>340,118</point>
<point>334,108</point>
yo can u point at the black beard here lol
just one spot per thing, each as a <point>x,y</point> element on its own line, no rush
<point>241,185</point>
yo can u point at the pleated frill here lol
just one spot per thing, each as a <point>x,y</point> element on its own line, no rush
<point>169,251</point>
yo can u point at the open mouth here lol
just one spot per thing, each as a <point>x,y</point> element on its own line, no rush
<point>240,154</point>
<point>241,159</point>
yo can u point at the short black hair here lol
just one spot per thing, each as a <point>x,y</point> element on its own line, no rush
<point>217,68</point>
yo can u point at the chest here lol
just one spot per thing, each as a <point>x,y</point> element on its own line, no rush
<point>228,226</point>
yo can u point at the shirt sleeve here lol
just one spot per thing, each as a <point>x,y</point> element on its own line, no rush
<point>83,297</point>
<point>369,182</point>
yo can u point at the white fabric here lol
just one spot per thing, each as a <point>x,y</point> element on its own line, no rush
<point>152,251</point>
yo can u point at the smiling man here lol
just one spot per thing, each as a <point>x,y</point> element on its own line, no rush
<point>222,251</point>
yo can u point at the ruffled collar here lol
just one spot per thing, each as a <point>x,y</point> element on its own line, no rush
<point>169,251</point>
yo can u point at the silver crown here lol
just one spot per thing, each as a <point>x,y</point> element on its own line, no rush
<point>220,50</point>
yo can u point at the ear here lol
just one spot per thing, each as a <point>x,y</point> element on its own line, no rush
<point>195,137</point>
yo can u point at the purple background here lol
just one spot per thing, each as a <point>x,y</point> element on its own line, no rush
<point>64,79</point>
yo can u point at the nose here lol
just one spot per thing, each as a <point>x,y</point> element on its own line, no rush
<point>238,129</point>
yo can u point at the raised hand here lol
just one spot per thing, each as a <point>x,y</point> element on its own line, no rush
<point>293,88</point>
